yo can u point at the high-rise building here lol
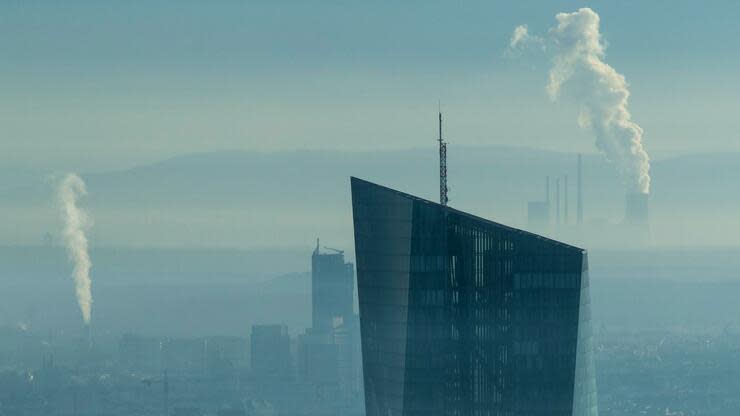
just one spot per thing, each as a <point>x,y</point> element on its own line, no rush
<point>328,354</point>
<point>332,288</point>
<point>318,358</point>
<point>463,316</point>
<point>347,337</point>
<point>270,352</point>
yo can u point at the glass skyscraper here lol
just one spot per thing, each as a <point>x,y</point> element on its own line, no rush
<point>332,289</point>
<point>464,316</point>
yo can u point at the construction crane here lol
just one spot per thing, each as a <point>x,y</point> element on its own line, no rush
<point>334,250</point>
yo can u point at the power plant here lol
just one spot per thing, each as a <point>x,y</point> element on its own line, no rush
<point>557,201</point>
<point>552,213</point>
<point>566,216</point>
<point>539,211</point>
<point>579,207</point>
<point>636,209</point>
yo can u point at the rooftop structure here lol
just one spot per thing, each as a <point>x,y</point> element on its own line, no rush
<point>332,288</point>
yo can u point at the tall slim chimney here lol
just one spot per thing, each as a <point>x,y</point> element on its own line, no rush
<point>565,198</point>
<point>547,200</point>
<point>557,200</point>
<point>89,336</point>
<point>636,209</point>
<point>579,202</point>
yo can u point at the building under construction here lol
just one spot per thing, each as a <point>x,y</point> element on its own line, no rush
<point>332,288</point>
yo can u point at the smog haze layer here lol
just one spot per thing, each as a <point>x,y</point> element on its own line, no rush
<point>171,173</point>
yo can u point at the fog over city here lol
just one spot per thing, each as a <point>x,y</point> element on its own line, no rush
<point>238,208</point>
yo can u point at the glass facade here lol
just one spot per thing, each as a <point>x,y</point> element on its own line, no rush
<point>464,316</point>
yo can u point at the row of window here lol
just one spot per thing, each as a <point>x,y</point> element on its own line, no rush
<point>546,281</point>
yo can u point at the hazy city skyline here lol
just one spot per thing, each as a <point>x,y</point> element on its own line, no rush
<point>240,208</point>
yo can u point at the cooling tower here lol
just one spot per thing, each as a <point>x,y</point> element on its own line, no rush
<point>636,208</point>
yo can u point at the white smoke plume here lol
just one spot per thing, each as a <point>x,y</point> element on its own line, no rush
<point>522,40</point>
<point>579,73</point>
<point>520,35</point>
<point>76,222</point>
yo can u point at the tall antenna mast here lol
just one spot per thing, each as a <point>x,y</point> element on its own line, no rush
<point>442,165</point>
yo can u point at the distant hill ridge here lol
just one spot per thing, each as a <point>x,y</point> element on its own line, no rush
<point>293,196</point>
<point>230,174</point>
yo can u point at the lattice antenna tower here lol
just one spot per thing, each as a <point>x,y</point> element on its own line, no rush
<point>443,199</point>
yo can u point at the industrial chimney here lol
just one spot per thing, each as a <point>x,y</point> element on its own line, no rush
<point>566,216</point>
<point>636,208</point>
<point>557,200</point>
<point>547,200</point>
<point>579,202</point>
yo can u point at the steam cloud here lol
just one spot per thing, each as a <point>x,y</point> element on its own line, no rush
<point>76,222</point>
<point>580,74</point>
<point>520,35</point>
<point>521,38</point>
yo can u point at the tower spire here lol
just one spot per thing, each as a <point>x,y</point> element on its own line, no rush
<point>442,165</point>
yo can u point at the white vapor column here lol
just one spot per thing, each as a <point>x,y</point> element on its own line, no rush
<point>76,222</point>
<point>580,74</point>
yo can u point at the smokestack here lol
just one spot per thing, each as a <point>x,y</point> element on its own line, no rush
<point>89,335</point>
<point>579,202</point>
<point>636,209</point>
<point>548,211</point>
<point>565,197</point>
<point>557,200</point>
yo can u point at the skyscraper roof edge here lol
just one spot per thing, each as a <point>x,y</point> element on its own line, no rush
<point>472,216</point>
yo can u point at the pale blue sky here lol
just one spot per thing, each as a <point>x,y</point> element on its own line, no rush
<point>97,85</point>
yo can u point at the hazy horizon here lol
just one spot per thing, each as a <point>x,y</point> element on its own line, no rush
<point>89,87</point>
<point>180,236</point>
<point>249,199</point>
